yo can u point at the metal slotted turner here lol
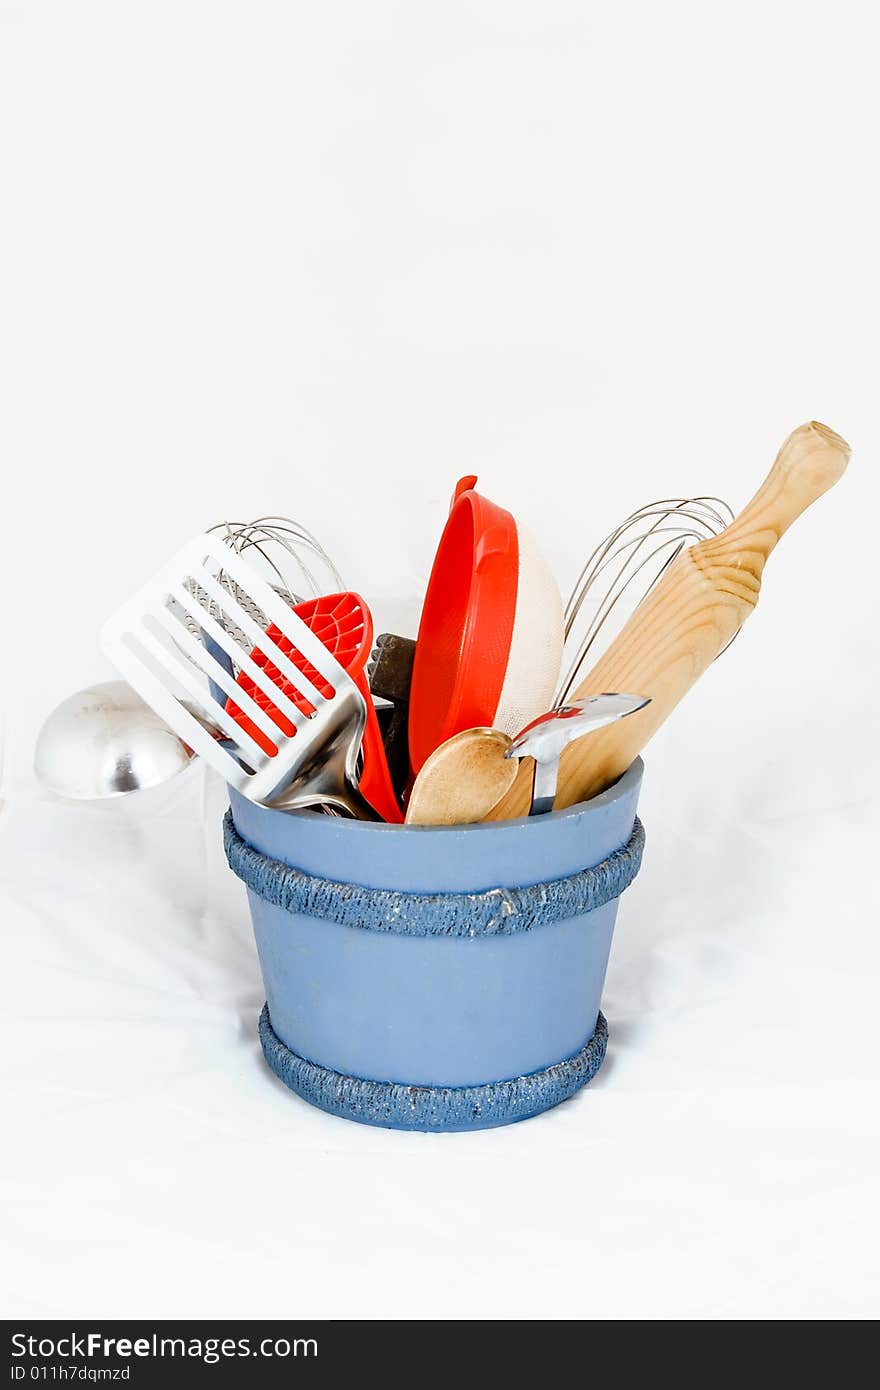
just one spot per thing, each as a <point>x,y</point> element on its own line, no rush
<point>207,596</point>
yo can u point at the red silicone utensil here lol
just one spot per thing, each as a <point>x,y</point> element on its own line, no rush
<point>344,624</point>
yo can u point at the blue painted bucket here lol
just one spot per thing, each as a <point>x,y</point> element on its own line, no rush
<point>436,978</point>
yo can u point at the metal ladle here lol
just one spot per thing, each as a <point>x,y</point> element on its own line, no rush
<point>105,741</point>
<point>546,736</point>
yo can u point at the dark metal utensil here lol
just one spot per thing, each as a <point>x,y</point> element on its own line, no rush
<point>390,676</point>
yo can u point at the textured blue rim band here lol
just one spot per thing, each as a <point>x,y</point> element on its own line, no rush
<point>497,911</point>
<point>396,1106</point>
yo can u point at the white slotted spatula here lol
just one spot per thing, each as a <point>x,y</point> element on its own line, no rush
<point>153,641</point>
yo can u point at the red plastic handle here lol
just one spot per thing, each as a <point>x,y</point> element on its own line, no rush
<point>498,540</point>
<point>466,484</point>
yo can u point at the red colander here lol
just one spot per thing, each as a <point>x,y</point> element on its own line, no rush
<point>344,624</point>
<point>490,636</point>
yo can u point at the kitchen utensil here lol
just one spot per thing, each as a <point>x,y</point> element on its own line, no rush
<point>288,556</point>
<point>490,636</point>
<point>105,741</point>
<point>151,642</point>
<point>630,559</point>
<point>690,615</point>
<point>544,739</point>
<point>291,558</point>
<point>390,675</point>
<point>461,781</point>
<point>345,626</point>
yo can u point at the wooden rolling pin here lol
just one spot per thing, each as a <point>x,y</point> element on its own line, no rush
<point>687,619</point>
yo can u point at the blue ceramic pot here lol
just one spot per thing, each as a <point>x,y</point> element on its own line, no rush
<point>436,978</point>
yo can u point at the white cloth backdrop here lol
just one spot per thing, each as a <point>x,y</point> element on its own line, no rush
<point>322,260</point>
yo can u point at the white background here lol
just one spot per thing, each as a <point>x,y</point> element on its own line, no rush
<point>321,260</point>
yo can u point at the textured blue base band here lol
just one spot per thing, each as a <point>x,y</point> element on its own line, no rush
<point>396,1106</point>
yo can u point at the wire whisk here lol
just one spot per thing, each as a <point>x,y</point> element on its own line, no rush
<point>269,535</point>
<point>293,560</point>
<point>645,544</point>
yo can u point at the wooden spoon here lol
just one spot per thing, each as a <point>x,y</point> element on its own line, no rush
<point>462,779</point>
<point>687,619</point>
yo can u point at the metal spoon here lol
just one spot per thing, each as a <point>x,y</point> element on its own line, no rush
<point>546,736</point>
<point>105,741</point>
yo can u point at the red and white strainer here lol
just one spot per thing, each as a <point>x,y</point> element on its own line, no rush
<point>490,637</point>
